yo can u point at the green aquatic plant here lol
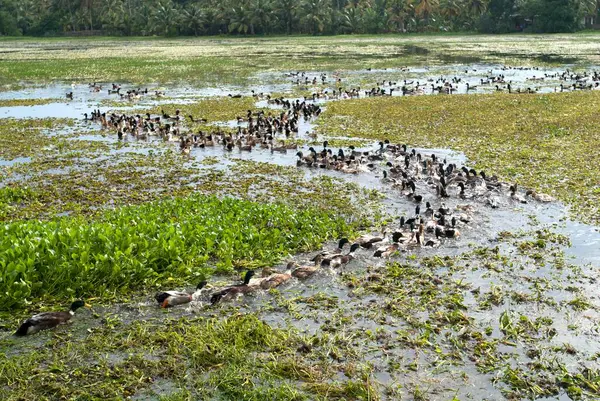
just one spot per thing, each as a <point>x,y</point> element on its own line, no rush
<point>28,102</point>
<point>141,245</point>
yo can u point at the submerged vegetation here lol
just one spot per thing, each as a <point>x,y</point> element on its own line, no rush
<point>239,357</point>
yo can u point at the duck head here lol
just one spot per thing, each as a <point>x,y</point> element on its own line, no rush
<point>78,304</point>
<point>343,242</point>
<point>201,285</point>
<point>249,274</point>
<point>354,247</point>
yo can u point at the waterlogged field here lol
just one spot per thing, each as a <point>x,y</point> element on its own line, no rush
<point>508,310</point>
<point>237,61</point>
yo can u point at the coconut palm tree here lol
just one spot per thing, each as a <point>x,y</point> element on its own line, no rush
<point>193,18</point>
<point>112,12</point>
<point>451,10</point>
<point>69,5</point>
<point>261,15</point>
<point>399,11</point>
<point>351,19</point>
<point>285,11</point>
<point>241,20</point>
<point>314,15</point>
<point>165,18</point>
<point>476,7</point>
<point>425,8</point>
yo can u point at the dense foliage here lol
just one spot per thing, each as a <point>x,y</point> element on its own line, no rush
<point>156,242</point>
<point>210,17</point>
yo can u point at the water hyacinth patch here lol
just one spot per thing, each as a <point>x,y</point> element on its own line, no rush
<point>132,246</point>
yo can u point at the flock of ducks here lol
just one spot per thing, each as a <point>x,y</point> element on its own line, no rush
<point>254,130</point>
<point>588,80</point>
<point>400,168</point>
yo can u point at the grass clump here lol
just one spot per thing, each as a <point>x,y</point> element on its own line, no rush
<point>218,357</point>
<point>27,102</point>
<point>546,142</point>
<point>171,239</point>
<point>235,357</point>
<point>213,109</point>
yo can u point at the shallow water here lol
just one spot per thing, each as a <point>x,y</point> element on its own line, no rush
<point>84,99</point>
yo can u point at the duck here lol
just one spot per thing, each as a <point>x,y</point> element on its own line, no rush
<point>167,299</point>
<point>446,232</point>
<point>515,196</point>
<point>275,278</point>
<point>366,241</point>
<point>387,179</point>
<point>386,251</point>
<point>231,291</point>
<point>48,320</point>
<point>342,260</point>
<point>539,197</point>
<point>199,120</point>
<point>432,243</point>
<point>246,147</point>
<point>334,252</point>
<point>304,272</point>
<point>280,149</point>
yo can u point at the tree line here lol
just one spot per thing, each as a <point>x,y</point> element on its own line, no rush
<point>265,17</point>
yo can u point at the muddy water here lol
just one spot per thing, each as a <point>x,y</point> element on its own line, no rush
<point>365,310</point>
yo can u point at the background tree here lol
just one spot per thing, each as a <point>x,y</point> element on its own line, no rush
<point>314,15</point>
<point>285,12</point>
<point>165,18</point>
<point>215,17</point>
<point>193,18</point>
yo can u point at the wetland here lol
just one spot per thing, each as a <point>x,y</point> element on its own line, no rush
<point>110,192</point>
